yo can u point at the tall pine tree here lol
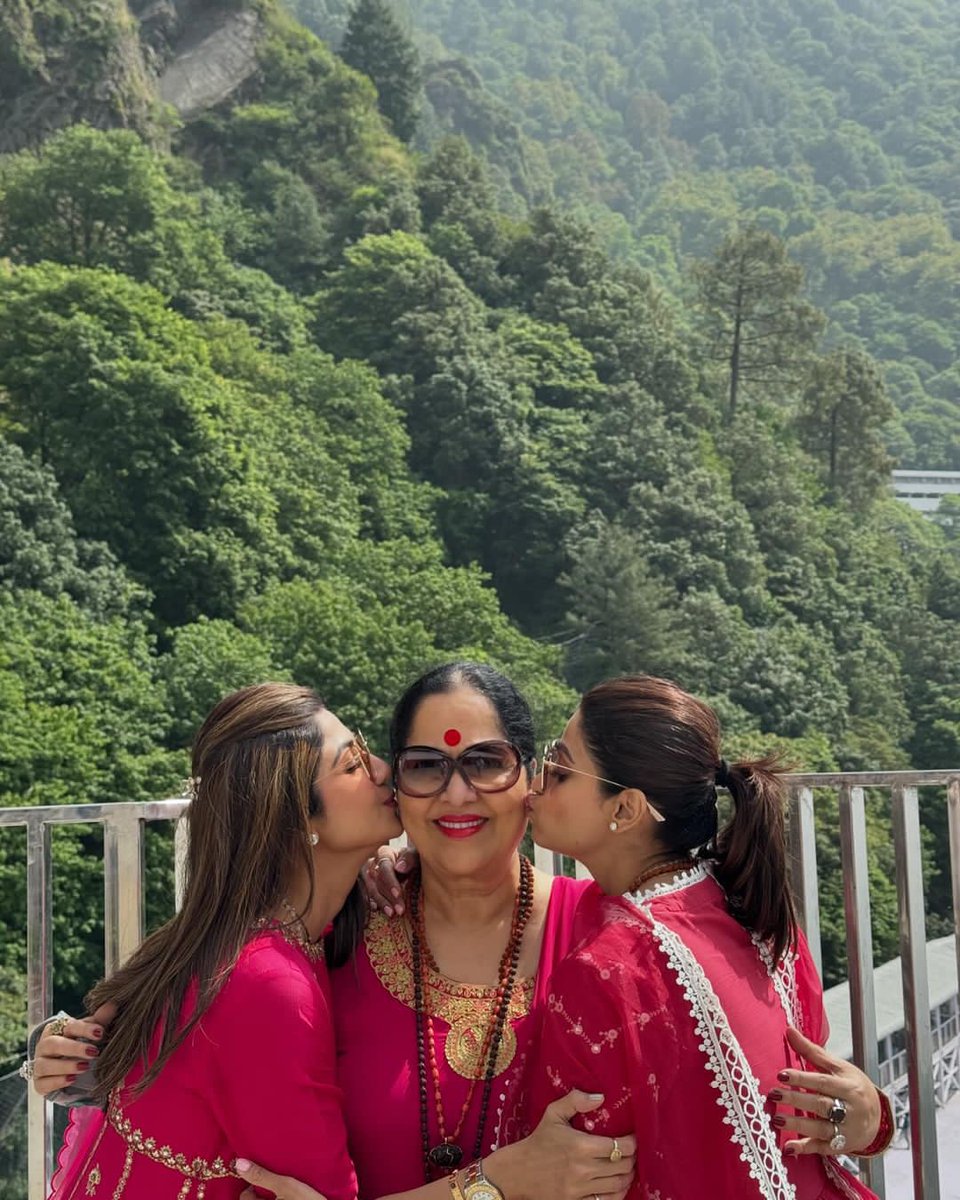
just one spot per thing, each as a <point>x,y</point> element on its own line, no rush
<point>377,45</point>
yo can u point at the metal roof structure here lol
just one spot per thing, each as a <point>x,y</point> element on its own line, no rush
<point>888,991</point>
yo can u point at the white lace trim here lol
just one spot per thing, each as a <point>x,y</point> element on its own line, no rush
<point>739,1089</point>
<point>695,874</point>
<point>783,976</point>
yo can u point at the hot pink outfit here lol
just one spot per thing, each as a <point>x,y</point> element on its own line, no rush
<point>674,1012</point>
<point>377,1048</point>
<point>255,1077</point>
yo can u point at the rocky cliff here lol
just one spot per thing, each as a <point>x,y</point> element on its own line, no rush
<point>113,63</point>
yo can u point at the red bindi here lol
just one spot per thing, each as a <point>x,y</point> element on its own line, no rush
<point>453,737</point>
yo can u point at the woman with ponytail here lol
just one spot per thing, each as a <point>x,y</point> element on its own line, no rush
<point>691,1001</point>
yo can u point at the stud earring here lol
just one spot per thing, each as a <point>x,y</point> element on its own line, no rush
<point>614,827</point>
<point>314,838</point>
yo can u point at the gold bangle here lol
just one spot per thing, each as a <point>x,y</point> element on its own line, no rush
<point>456,1193</point>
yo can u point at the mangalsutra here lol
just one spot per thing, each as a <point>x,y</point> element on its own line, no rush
<point>447,1154</point>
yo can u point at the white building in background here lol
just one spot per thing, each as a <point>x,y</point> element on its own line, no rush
<point>923,490</point>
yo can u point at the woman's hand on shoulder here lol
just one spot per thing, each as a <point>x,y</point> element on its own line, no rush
<point>282,1186</point>
<point>67,1047</point>
<point>814,1092</point>
<point>558,1162</point>
<point>382,876</point>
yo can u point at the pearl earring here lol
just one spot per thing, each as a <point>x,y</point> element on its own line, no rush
<point>614,827</point>
<point>314,838</point>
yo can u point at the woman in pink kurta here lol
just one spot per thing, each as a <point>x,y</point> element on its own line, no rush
<point>376,1042</point>
<point>689,976</point>
<point>223,1044</point>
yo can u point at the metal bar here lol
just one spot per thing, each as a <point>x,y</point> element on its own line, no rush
<point>181,844</point>
<point>856,909</point>
<point>916,997</point>
<point>953,823</point>
<point>803,868</point>
<point>122,888</point>
<point>39,998</point>
<point>872,778</point>
<point>84,814</point>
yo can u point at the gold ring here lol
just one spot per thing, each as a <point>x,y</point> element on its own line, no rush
<point>616,1153</point>
<point>58,1025</point>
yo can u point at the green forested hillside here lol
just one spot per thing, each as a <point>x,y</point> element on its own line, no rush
<point>833,123</point>
<point>280,395</point>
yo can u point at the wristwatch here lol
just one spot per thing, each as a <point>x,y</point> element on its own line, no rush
<point>476,1186</point>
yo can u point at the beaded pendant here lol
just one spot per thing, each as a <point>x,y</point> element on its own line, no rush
<point>446,1156</point>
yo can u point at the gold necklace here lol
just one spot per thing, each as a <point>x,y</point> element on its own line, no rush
<point>293,931</point>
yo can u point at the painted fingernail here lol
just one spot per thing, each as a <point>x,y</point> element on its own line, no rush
<point>790,1150</point>
<point>91,1051</point>
<point>82,1066</point>
<point>783,1076</point>
<point>242,1164</point>
<point>97,1032</point>
<point>775,1095</point>
<point>778,1121</point>
<point>71,1078</point>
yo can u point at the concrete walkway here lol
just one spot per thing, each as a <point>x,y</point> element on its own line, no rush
<point>898,1165</point>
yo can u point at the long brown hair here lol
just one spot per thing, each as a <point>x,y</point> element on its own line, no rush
<point>650,734</point>
<point>255,762</point>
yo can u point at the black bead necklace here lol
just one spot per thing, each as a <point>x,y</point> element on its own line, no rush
<point>447,1155</point>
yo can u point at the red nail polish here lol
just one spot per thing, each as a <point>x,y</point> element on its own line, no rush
<point>91,1051</point>
<point>81,1066</point>
<point>775,1095</point>
<point>71,1078</point>
<point>783,1076</point>
<point>778,1121</point>
<point>98,1032</point>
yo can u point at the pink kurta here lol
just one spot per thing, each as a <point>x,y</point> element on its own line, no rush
<point>256,1077</point>
<point>670,1008</point>
<point>377,1046</point>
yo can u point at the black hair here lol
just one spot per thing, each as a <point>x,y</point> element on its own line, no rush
<point>513,712</point>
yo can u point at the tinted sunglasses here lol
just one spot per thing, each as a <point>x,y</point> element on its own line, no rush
<point>424,771</point>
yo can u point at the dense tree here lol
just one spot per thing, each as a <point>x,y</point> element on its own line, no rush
<point>758,324</point>
<point>376,44</point>
<point>841,419</point>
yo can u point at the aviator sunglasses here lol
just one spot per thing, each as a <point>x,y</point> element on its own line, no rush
<point>555,767</point>
<point>424,771</point>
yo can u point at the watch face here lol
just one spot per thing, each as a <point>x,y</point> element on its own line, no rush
<point>482,1191</point>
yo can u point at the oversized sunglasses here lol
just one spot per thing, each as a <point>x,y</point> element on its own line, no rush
<point>552,765</point>
<point>424,771</point>
<point>358,753</point>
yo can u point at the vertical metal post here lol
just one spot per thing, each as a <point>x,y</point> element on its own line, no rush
<point>547,860</point>
<point>122,887</point>
<point>953,822</point>
<point>916,996</point>
<point>39,998</point>
<point>856,909</point>
<point>181,843</point>
<point>803,868</point>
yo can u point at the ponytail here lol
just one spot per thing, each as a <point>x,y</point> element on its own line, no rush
<point>750,853</point>
<point>650,734</point>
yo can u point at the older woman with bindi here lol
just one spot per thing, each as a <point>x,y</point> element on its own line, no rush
<point>691,1000</point>
<point>435,1014</point>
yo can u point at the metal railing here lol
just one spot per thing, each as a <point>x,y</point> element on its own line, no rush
<point>123,826</point>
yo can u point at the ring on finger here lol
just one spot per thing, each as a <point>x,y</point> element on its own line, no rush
<point>838,1141</point>
<point>26,1069</point>
<point>57,1026</point>
<point>616,1153</point>
<point>838,1111</point>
